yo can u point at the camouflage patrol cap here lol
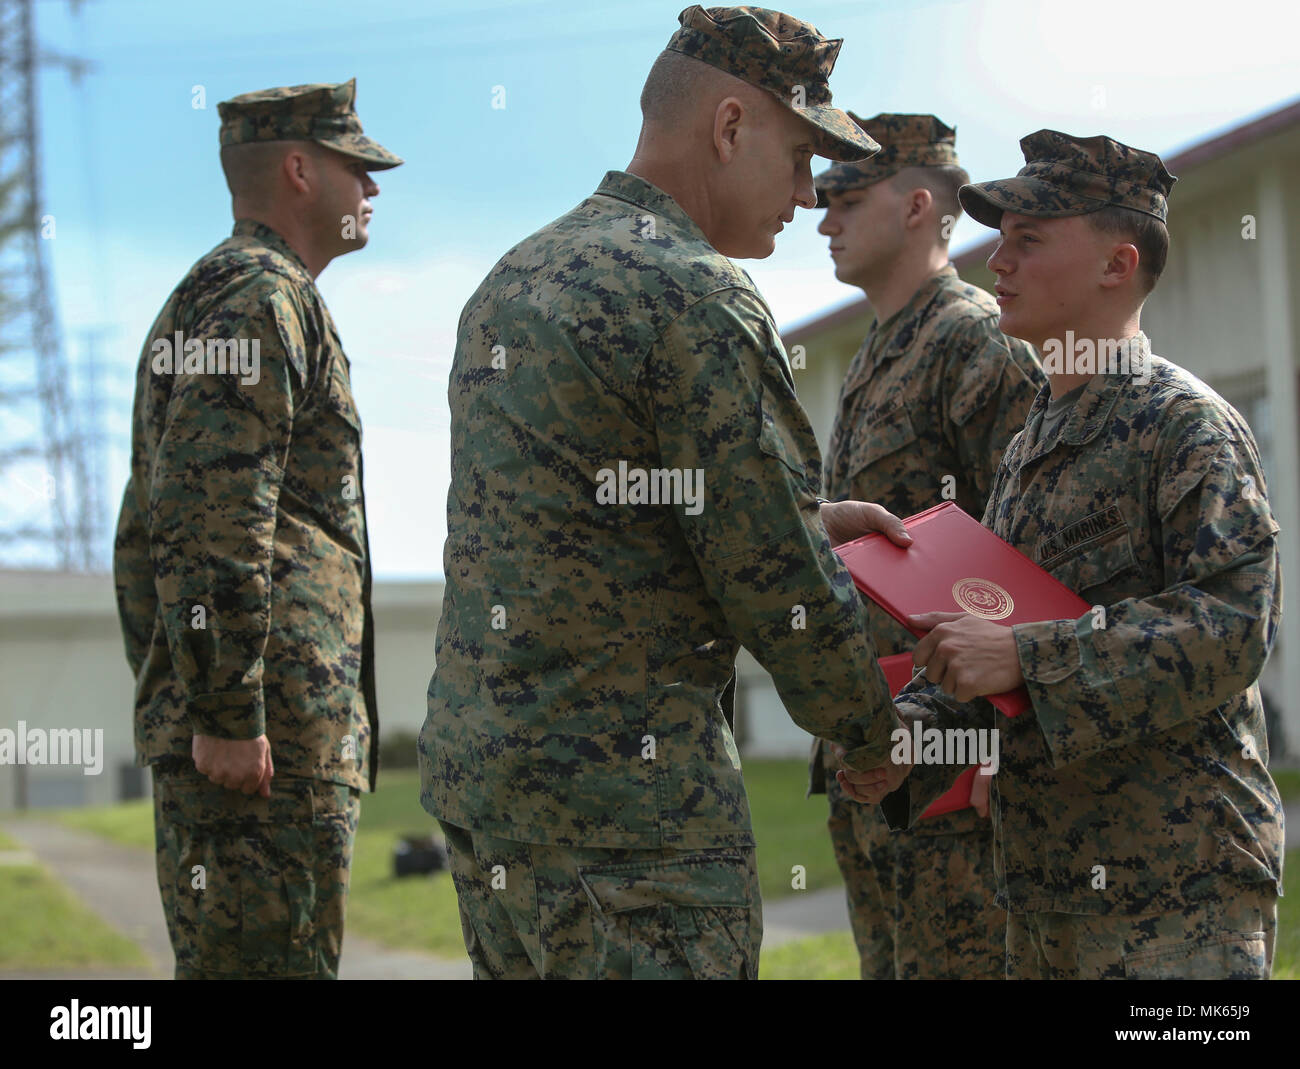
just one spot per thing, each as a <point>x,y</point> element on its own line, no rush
<point>905,140</point>
<point>322,113</point>
<point>1066,175</point>
<point>787,57</point>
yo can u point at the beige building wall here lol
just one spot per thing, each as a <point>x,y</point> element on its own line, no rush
<point>406,626</point>
<point>63,666</point>
<point>1225,310</point>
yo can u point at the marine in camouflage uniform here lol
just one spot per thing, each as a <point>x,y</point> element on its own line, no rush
<point>1139,833</point>
<point>243,583</point>
<point>575,749</point>
<point>931,399</point>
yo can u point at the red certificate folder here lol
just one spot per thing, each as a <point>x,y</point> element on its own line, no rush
<point>955,564</point>
<point>898,673</point>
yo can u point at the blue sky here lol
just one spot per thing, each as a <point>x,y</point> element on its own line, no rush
<point>130,168</point>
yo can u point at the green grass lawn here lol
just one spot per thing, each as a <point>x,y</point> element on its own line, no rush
<point>1286,954</point>
<point>414,912</point>
<point>128,823</point>
<point>1288,782</point>
<point>44,927</point>
<point>832,956</point>
<point>419,913</point>
<point>790,829</point>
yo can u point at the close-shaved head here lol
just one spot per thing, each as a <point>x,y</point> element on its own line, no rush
<point>943,182</point>
<point>731,154</point>
<point>679,88</point>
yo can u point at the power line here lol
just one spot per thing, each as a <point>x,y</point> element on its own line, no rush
<point>45,468</point>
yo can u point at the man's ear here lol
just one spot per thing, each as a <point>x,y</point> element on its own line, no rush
<point>299,169</point>
<point>916,206</point>
<point>727,121</point>
<point>1121,265</point>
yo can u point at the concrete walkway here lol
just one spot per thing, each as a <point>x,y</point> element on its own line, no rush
<point>802,914</point>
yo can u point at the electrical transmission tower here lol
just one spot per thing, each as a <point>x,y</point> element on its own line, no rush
<point>49,514</point>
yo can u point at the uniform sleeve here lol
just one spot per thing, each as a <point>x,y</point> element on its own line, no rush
<point>213,504</point>
<point>137,602</point>
<point>723,402</point>
<point>990,381</point>
<point>1179,654</point>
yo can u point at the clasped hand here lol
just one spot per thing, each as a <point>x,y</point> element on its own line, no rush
<point>967,657</point>
<point>871,786</point>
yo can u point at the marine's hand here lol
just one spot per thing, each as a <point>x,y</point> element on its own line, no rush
<point>847,520</point>
<point>871,786</point>
<point>236,764</point>
<point>979,792</point>
<point>966,655</point>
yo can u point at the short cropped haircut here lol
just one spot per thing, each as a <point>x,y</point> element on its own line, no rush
<point>250,168</point>
<point>673,86</point>
<point>942,181</point>
<point>1145,232</point>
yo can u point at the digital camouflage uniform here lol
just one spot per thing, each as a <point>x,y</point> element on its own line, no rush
<point>929,403</point>
<point>1139,833</point>
<point>243,585</point>
<point>575,748</point>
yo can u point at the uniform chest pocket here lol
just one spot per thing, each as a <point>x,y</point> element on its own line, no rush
<point>887,434</point>
<point>324,469</point>
<point>1097,565</point>
<point>338,399</point>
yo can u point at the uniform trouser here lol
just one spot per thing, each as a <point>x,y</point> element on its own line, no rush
<point>529,910</point>
<point>1226,938</point>
<point>921,906</point>
<point>252,887</point>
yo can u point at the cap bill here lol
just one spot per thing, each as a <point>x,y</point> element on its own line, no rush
<point>986,201</point>
<point>843,177</point>
<point>363,148</point>
<point>842,140</point>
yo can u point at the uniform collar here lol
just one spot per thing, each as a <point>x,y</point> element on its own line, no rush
<point>878,345</point>
<point>884,332</point>
<point>251,228</point>
<point>1092,411</point>
<point>637,191</point>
